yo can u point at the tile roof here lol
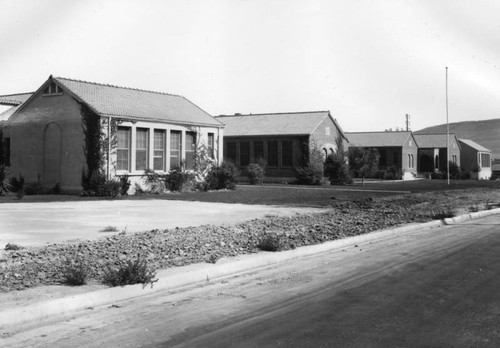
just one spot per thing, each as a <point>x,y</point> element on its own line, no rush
<point>378,139</point>
<point>292,123</point>
<point>435,140</point>
<point>122,102</point>
<point>14,99</point>
<point>4,116</point>
<point>474,145</point>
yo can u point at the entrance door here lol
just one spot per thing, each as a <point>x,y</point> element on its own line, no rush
<point>52,155</point>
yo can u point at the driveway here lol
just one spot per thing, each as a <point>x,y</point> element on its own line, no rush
<point>41,223</point>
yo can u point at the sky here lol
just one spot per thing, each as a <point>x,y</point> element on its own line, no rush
<point>369,62</point>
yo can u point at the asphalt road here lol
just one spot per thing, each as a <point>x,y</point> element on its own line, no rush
<point>429,288</point>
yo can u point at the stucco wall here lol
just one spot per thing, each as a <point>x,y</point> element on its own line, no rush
<point>47,141</point>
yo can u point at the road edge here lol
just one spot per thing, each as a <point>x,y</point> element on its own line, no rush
<point>179,277</point>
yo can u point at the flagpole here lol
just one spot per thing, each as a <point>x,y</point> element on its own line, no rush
<point>447,133</point>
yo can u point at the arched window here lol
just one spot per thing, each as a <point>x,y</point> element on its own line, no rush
<point>436,162</point>
<point>325,153</point>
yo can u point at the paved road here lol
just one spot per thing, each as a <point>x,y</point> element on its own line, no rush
<point>40,223</point>
<point>432,287</point>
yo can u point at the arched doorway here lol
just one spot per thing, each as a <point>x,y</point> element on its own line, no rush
<point>52,154</point>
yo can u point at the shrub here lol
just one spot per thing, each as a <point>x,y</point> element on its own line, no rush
<point>5,187</point>
<point>56,189</point>
<point>312,172</point>
<point>130,272</point>
<point>178,180</point>
<point>75,272</point>
<point>222,177</point>
<point>465,175</point>
<point>17,184</point>
<point>12,246</point>
<point>363,163</point>
<point>256,173</point>
<point>124,184</point>
<point>437,175</point>
<point>443,214</point>
<point>269,242</point>
<point>155,182</point>
<point>337,170</point>
<point>98,185</point>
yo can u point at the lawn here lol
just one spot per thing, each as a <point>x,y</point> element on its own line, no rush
<point>290,194</point>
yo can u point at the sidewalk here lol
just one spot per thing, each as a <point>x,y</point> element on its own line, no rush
<point>177,278</point>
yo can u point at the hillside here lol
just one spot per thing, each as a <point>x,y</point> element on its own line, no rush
<point>485,133</point>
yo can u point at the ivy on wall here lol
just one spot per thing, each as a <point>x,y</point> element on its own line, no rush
<point>93,143</point>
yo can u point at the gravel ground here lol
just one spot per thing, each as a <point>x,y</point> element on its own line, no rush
<point>30,267</point>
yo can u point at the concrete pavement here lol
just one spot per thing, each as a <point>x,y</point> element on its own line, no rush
<point>31,224</point>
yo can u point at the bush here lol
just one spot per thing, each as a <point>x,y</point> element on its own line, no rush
<point>178,180</point>
<point>443,214</point>
<point>269,242</point>
<point>437,176</point>
<point>130,272</point>
<point>454,171</point>
<point>155,182</point>
<point>256,173</point>
<point>98,185</point>
<point>75,273</point>
<point>337,170</point>
<point>222,177</point>
<point>465,175</point>
<point>12,246</point>
<point>124,184</point>
<point>5,187</point>
<point>17,184</point>
<point>312,172</point>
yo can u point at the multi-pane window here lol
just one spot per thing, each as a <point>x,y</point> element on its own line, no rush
<point>244,153</point>
<point>175,149</point>
<point>287,153</point>
<point>210,145</point>
<point>258,150</point>
<point>272,153</point>
<point>123,149</point>
<point>231,152</point>
<point>141,148</point>
<point>159,150</point>
<point>190,149</point>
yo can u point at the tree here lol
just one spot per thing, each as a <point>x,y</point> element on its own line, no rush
<point>336,167</point>
<point>363,162</point>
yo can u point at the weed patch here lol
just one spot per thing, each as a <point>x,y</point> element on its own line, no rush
<point>130,272</point>
<point>269,242</point>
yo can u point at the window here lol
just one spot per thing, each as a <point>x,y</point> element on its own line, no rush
<point>231,152</point>
<point>190,149</point>
<point>4,149</point>
<point>175,149</point>
<point>395,158</point>
<point>159,150</point>
<point>409,161</point>
<point>327,130</point>
<point>210,146</point>
<point>52,89</point>
<point>141,148</point>
<point>123,149</point>
<point>287,153</point>
<point>412,161</point>
<point>244,153</point>
<point>454,158</point>
<point>272,153</point>
<point>485,160</point>
<point>258,150</point>
<point>436,162</point>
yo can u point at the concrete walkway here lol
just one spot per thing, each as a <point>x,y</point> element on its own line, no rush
<point>30,224</point>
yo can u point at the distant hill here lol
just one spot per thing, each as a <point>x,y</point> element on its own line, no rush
<point>485,133</point>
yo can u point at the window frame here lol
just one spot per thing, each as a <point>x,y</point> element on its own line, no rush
<point>127,149</point>
<point>142,151</point>
<point>161,148</point>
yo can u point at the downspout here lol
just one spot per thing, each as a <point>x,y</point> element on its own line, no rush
<point>108,168</point>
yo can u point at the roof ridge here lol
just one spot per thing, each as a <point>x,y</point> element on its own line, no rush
<point>381,132</point>
<point>275,113</point>
<point>115,86</point>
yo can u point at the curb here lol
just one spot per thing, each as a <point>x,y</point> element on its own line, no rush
<point>179,277</point>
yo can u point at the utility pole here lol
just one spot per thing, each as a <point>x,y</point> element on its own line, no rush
<point>447,132</point>
<point>407,122</point>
